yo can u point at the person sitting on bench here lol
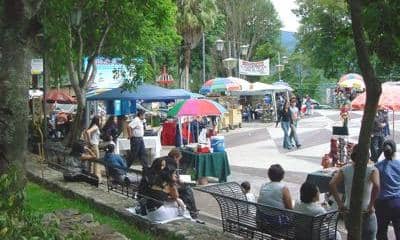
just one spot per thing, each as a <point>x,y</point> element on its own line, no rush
<point>116,165</point>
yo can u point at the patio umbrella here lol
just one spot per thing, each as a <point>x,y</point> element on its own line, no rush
<point>223,84</point>
<point>352,80</point>
<point>196,107</point>
<point>55,96</point>
<point>389,99</point>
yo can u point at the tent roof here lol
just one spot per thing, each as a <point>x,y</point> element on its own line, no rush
<point>185,92</point>
<point>258,89</point>
<point>144,92</point>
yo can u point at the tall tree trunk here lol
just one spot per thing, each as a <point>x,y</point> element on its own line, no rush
<point>373,88</point>
<point>17,32</point>
<point>78,123</point>
<point>187,67</point>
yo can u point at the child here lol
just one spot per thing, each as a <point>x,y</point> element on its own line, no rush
<point>246,189</point>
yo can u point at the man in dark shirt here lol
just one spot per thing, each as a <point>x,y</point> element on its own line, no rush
<point>377,137</point>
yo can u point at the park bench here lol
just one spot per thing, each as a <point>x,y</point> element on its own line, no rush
<point>128,188</point>
<point>257,221</point>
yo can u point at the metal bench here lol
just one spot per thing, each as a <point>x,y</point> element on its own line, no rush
<point>128,188</point>
<point>257,221</point>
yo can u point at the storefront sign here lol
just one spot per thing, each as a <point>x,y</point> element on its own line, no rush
<point>36,66</point>
<point>260,68</point>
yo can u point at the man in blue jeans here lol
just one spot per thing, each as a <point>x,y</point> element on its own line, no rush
<point>284,117</point>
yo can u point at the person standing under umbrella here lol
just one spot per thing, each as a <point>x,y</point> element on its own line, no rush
<point>377,136</point>
<point>136,133</point>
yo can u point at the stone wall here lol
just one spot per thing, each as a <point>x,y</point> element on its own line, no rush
<point>110,202</point>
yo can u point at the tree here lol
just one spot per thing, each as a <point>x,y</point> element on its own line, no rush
<point>122,28</point>
<point>325,36</point>
<point>255,23</point>
<point>192,19</point>
<point>18,28</point>
<point>367,20</point>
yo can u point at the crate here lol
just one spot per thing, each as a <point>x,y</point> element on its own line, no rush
<point>235,118</point>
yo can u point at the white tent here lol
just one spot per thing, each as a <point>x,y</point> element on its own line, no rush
<point>259,89</point>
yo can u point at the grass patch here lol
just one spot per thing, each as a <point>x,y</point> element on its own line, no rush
<point>42,201</point>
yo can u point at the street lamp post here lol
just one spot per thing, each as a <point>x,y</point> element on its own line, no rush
<point>280,67</point>
<point>231,62</point>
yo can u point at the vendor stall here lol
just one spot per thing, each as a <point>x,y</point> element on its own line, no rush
<point>150,142</point>
<point>322,178</point>
<point>206,164</point>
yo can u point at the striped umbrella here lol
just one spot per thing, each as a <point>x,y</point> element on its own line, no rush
<point>224,84</point>
<point>352,80</point>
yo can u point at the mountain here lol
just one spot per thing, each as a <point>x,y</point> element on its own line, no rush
<point>288,40</point>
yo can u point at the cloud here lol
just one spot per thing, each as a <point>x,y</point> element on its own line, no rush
<point>289,20</point>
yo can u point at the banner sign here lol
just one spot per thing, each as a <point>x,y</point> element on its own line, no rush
<point>111,72</point>
<point>260,68</point>
<point>36,66</point>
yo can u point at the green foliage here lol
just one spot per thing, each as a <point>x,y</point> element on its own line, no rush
<point>15,221</point>
<point>42,201</point>
<point>326,36</point>
<point>137,29</point>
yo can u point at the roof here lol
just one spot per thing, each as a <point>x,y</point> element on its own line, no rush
<point>145,92</point>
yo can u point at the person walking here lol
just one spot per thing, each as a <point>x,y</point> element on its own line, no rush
<point>370,194</point>
<point>93,139</point>
<point>294,117</point>
<point>388,203</point>
<point>136,133</point>
<point>284,118</point>
<point>377,136</point>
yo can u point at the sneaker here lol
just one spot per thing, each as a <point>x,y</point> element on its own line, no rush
<point>298,146</point>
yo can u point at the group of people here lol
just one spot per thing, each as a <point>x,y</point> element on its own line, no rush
<point>96,136</point>
<point>288,116</point>
<point>381,197</point>
<point>166,196</point>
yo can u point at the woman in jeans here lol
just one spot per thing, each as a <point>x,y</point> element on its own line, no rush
<point>371,191</point>
<point>284,117</point>
<point>388,203</point>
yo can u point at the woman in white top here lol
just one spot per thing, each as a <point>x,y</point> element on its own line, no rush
<point>309,205</point>
<point>371,191</point>
<point>275,193</point>
<point>93,138</point>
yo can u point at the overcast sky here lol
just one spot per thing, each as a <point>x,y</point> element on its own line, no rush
<point>289,20</point>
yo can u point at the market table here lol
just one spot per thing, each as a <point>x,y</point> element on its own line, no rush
<point>150,142</point>
<point>322,178</point>
<point>206,164</point>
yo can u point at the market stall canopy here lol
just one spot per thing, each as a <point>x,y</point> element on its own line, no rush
<point>145,92</point>
<point>224,84</point>
<point>56,96</point>
<point>281,86</point>
<point>352,80</point>
<point>185,92</point>
<point>196,107</point>
<point>389,99</point>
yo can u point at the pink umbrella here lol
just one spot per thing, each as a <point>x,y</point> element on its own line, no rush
<point>199,107</point>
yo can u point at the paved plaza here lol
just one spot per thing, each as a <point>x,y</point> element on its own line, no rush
<point>255,146</point>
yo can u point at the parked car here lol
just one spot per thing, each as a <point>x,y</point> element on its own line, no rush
<point>314,105</point>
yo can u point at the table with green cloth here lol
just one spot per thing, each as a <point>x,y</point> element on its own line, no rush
<point>322,178</point>
<point>206,164</point>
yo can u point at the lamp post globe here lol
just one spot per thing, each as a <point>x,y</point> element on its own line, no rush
<point>220,45</point>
